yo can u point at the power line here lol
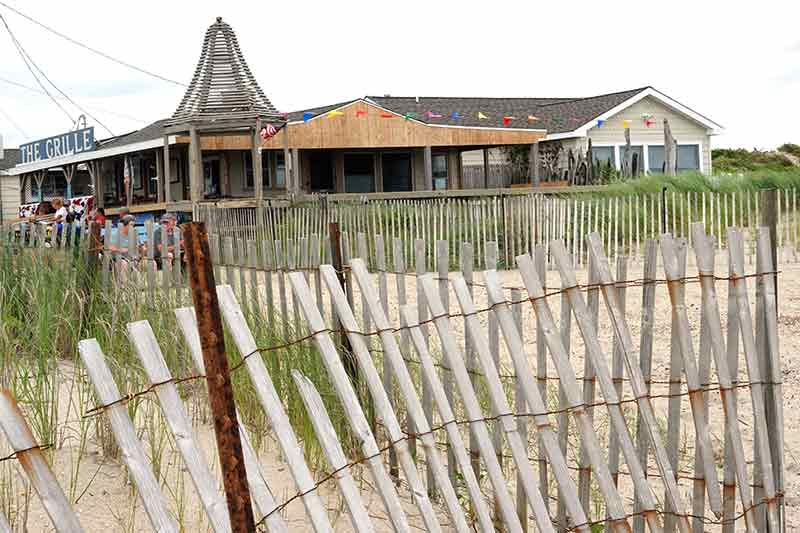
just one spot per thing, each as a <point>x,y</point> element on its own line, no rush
<point>93,50</point>
<point>27,58</point>
<point>11,120</point>
<point>24,60</point>
<point>100,109</point>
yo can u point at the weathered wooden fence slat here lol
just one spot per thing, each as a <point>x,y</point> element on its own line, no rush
<point>125,434</point>
<point>638,386</point>
<point>147,349</point>
<point>270,402</point>
<point>262,494</point>
<point>342,384</point>
<point>41,477</point>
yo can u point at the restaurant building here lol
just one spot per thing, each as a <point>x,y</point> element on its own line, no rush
<point>227,144</point>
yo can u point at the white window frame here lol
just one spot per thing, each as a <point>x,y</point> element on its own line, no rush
<point>646,156</point>
<point>699,145</point>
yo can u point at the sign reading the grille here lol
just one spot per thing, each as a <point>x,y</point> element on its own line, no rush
<point>74,142</point>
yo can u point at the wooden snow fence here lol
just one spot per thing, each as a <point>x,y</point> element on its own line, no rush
<point>454,437</point>
<point>517,220</point>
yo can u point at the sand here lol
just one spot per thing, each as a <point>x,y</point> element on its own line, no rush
<point>104,499</point>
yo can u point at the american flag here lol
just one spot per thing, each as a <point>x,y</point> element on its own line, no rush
<point>268,131</point>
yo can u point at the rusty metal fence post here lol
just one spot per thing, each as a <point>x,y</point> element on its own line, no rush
<point>220,391</point>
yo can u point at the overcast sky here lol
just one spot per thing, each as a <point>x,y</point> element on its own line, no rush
<point>740,66</point>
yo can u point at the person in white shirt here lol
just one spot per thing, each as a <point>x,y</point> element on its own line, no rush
<point>60,217</point>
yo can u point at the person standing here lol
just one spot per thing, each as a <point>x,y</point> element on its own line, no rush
<point>60,219</point>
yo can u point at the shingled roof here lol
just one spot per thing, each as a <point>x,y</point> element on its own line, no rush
<point>556,115</point>
<point>223,88</point>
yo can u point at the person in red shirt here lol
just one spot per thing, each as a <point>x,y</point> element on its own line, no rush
<point>99,216</point>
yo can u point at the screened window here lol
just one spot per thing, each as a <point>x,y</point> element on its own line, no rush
<point>359,173</point>
<point>280,171</point>
<point>604,155</point>
<point>655,155</point>
<point>248,169</point>
<point>439,164</point>
<point>688,157</point>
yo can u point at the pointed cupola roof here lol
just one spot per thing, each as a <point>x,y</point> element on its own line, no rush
<point>223,88</point>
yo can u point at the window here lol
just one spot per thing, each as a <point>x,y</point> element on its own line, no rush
<point>396,172</point>
<point>439,164</point>
<point>604,155</point>
<point>248,170</point>
<point>688,157</point>
<point>280,170</point>
<point>359,173</point>
<point>637,158</point>
<point>655,156</point>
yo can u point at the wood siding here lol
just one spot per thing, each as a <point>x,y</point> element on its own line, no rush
<point>11,197</point>
<point>685,130</point>
<point>373,131</point>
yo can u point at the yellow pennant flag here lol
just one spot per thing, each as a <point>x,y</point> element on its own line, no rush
<point>626,124</point>
<point>482,116</point>
<point>332,114</point>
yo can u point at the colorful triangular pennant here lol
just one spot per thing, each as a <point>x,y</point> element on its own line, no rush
<point>361,113</point>
<point>308,115</point>
<point>332,114</point>
<point>455,116</point>
<point>481,116</point>
<point>507,120</point>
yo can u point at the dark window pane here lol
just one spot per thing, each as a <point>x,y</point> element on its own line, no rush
<point>688,157</point>
<point>604,154</point>
<point>396,172</point>
<point>439,166</point>
<point>656,158</point>
<point>359,175</point>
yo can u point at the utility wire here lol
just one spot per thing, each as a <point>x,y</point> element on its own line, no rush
<point>93,50</point>
<point>11,120</point>
<point>24,60</point>
<point>27,58</point>
<point>100,109</point>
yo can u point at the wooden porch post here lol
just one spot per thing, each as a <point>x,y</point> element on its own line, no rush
<point>167,173</point>
<point>287,161</point>
<point>258,177</point>
<point>160,174</point>
<point>485,168</point>
<point>95,173</point>
<point>428,157</point>
<point>195,169</point>
<point>533,164</point>
<point>297,185</point>
<point>69,173</point>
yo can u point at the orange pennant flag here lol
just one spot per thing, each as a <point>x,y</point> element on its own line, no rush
<point>361,113</point>
<point>532,118</point>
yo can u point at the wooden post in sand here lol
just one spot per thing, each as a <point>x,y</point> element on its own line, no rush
<point>220,391</point>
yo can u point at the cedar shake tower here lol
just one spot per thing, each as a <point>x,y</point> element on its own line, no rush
<point>223,97</point>
<point>223,88</point>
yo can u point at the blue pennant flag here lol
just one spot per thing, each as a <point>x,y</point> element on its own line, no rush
<point>600,123</point>
<point>308,115</point>
<point>455,115</point>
